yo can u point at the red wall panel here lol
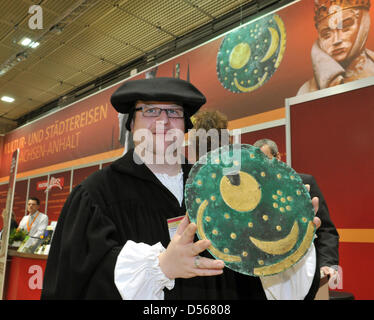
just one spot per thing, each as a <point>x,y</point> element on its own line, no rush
<point>357,261</point>
<point>19,204</point>
<point>332,138</point>
<point>80,174</point>
<point>58,193</point>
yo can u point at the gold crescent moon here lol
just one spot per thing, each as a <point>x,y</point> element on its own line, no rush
<point>290,260</point>
<point>200,229</point>
<point>245,89</point>
<point>280,246</point>
<point>282,29</point>
<point>273,45</point>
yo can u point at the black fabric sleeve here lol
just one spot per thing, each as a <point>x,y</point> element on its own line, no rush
<point>327,242</point>
<point>83,253</point>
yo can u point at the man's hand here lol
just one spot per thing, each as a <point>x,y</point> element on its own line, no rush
<point>315,203</point>
<point>332,274</point>
<point>328,271</point>
<point>178,260</point>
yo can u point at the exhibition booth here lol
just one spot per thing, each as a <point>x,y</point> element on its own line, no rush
<point>328,133</point>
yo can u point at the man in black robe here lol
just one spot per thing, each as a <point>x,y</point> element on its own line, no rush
<point>112,232</point>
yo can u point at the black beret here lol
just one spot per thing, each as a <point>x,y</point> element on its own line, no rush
<point>158,89</point>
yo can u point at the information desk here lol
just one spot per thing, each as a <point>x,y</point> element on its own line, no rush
<point>24,275</point>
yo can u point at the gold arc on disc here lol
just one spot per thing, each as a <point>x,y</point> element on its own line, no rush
<point>249,89</point>
<point>200,230</point>
<point>282,44</point>
<point>290,260</point>
<point>273,45</point>
<point>240,55</point>
<point>244,197</point>
<point>281,246</point>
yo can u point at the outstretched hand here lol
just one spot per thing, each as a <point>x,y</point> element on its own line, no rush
<point>179,258</point>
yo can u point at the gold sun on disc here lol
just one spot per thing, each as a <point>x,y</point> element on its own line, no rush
<point>243,197</point>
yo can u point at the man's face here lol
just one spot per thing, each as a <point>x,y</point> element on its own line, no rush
<point>159,132</point>
<point>266,150</point>
<point>32,206</point>
<point>337,33</point>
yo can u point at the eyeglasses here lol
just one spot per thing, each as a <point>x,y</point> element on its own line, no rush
<point>150,111</point>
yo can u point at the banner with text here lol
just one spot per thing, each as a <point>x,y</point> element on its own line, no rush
<point>247,71</point>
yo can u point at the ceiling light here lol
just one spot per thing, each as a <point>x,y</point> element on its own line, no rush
<point>25,41</point>
<point>34,44</point>
<point>7,99</point>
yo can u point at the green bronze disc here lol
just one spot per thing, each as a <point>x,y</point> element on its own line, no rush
<point>256,212</point>
<point>250,55</point>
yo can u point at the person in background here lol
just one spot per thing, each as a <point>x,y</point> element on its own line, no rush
<point>327,241</point>
<point>213,124</point>
<point>35,222</point>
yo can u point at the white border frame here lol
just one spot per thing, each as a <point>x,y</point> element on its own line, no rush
<point>263,126</point>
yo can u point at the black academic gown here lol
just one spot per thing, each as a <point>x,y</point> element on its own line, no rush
<point>122,202</point>
<point>327,241</point>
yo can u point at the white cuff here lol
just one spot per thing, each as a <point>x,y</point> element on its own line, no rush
<point>293,283</point>
<point>137,274</point>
